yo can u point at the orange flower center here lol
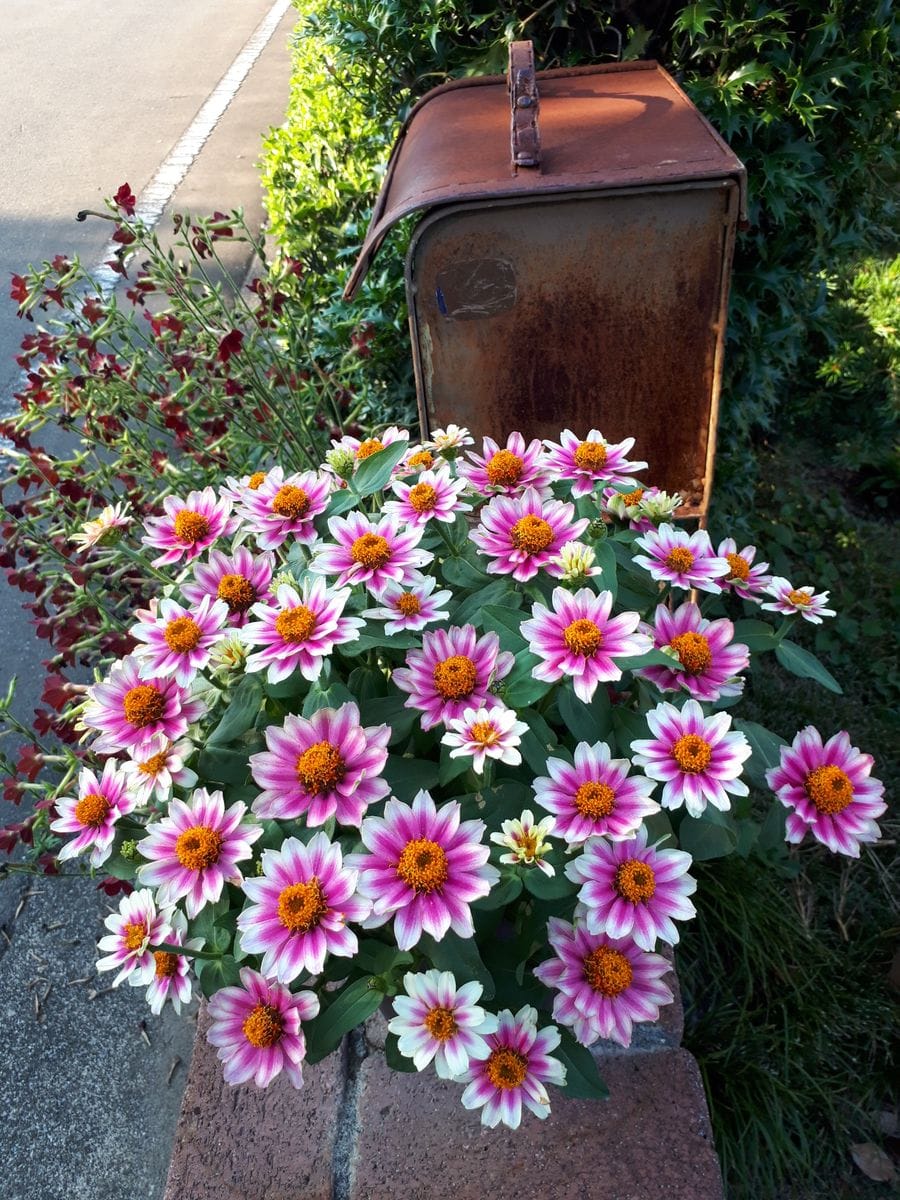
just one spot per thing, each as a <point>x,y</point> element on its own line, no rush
<point>829,789</point>
<point>198,847</point>
<point>608,971</point>
<point>290,501</point>
<point>583,637</point>
<point>408,604</point>
<point>371,551</point>
<point>166,964</point>
<point>595,800</point>
<point>423,865</point>
<point>134,936</point>
<point>441,1023</point>
<point>255,480</point>
<point>455,677</point>
<point>369,447</point>
<point>320,768</point>
<point>531,534</point>
<point>680,559</point>
<point>635,881</point>
<point>635,497</point>
<point>237,591</point>
<point>590,456</point>
<point>738,567</point>
<point>504,469</point>
<point>422,497</point>
<point>263,1027</point>
<point>692,753</point>
<point>191,526</point>
<point>154,765</point>
<point>485,733</point>
<point>183,635</point>
<point>91,809</point>
<point>801,598</point>
<point>422,459</point>
<point>527,843</point>
<point>506,1068</point>
<point>295,625</point>
<point>301,906</point>
<point>143,705</point>
<point>693,652</point>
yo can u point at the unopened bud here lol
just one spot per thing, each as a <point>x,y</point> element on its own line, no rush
<point>341,462</point>
<point>598,529</point>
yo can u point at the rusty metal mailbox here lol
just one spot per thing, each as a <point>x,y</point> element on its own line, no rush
<point>572,267</point>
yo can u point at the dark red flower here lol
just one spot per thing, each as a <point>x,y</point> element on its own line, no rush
<point>29,762</point>
<point>230,345</point>
<point>18,290</point>
<point>114,887</point>
<point>123,236</point>
<point>125,199</point>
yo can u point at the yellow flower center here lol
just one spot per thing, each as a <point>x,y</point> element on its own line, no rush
<point>191,526</point>
<point>237,591</point>
<point>583,637</point>
<point>829,789</point>
<point>371,551</point>
<point>590,456</point>
<point>531,534</point>
<point>738,567</point>
<point>635,881</point>
<point>692,753</point>
<point>154,764</point>
<point>91,810</point>
<point>527,843</point>
<point>369,447</point>
<point>680,559</point>
<point>255,480</point>
<point>635,497</point>
<point>295,625</point>
<point>183,635</point>
<point>595,800</point>
<point>455,677</point>
<point>320,768</point>
<point>441,1023</point>
<point>263,1027</point>
<point>166,964</point>
<point>608,971</point>
<point>801,598</point>
<point>198,848</point>
<point>134,936</point>
<point>504,469</point>
<point>143,705</point>
<point>693,652</point>
<point>484,733</point>
<point>301,906</point>
<point>423,865</point>
<point>408,604</point>
<point>422,497</point>
<point>290,501</point>
<point>422,460</point>
<point>506,1068</point>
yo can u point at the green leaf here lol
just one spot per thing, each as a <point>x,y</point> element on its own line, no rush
<point>377,958</point>
<point>459,956</point>
<point>629,727</point>
<point>712,835</point>
<point>521,686</point>
<point>407,776</point>
<point>340,502</point>
<point>350,1007</point>
<point>220,765</point>
<point>452,768</point>
<point>652,658</point>
<point>583,1079</point>
<point>507,623</point>
<point>378,641</point>
<point>332,696</point>
<point>394,1059</point>
<point>501,894</point>
<point>605,559</point>
<point>242,708</point>
<point>390,710</point>
<point>373,472</point>
<point>538,742</point>
<point>216,973</point>
<point>766,751</point>
<point>496,594</point>
<point>586,722</point>
<point>462,574</point>
<point>755,635</point>
<point>549,887</point>
<point>805,665</point>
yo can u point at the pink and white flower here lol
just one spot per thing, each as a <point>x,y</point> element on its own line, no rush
<point>411,606</point>
<point>682,559</point>
<point>365,448</point>
<point>604,984</point>
<point>257,1029</point>
<point>373,552</point>
<point>234,489</point>
<point>575,563</point>
<point>285,507</point>
<point>514,1071</point>
<point>743,577</point>
<point>239,579</point>
<point>104,529</point>
<point>591,462</point>
<point>829,790</point>
<point>706,662</point>
<point>435,496</point>
<point>195,850</point>
<point>482,733</point>
<point>631,889</point>
<point>624,505</point>
<point>595,796</point>
<point>522,534</point>
<point>790,600</point>
<point>93,813</point>
<point>154,768</point>
<point>178,641</point>
<point>509,469</point>
<point>129,711</point>
<point>452,672</point>
<point>300,909</point>
<point>171,971</point>
<point>424,868</point>
<point>454,437</point>
<point>526,841</point>
<point>132,930</point>
<point>696,757</point>
<point>299,631</point>
<point>323,766</point>
<point>578,639</point>
<point>436,1020</point>
<point>188,527</point>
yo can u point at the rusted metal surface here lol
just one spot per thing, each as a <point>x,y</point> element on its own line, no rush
<point>524,132</point>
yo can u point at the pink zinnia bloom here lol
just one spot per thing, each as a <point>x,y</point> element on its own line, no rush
<point>133,929</point>
<point>790,600</point>
<point>507,470</point>
<point>630,889</point>
<point>514,1070</point>
<point>579,639</point>
<point>452,672</point>
<point>482,733</point>
<point>829,790</point>
<point>374,552</point>
<point>522,534</point>
<point>235,489</point>
<point>595,796</point>
<point>93,814</point>
<point>695,756</point>
<point>239,579</point>
<point>624,505</point>
<point>282,508</point>
<point>300,631</point>
<point>171,972</point>
<point>410,606</point>
<point>194,851</point>
<point>708,663</point>
<point>188,527</point>
<point>434,496</point>
<point>604,984</point>
<point>683,559</point>
<point>361,449</point>
<point>323,766</point>
<point>257,1030</point>
<point>436,1020</point>
<point>178,641</point>
<point>743,577</point>
<point>423,868</point>
<point>590,462</point>
<point>300,909</point>
<point>128,711</point>
<point>155,767</point>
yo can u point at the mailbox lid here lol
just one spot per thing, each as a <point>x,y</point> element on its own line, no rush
<point>618,125</point>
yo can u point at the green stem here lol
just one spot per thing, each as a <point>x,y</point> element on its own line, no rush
<point>171,948</point>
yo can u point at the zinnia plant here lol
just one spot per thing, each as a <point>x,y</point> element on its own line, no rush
<point>444,731</point>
